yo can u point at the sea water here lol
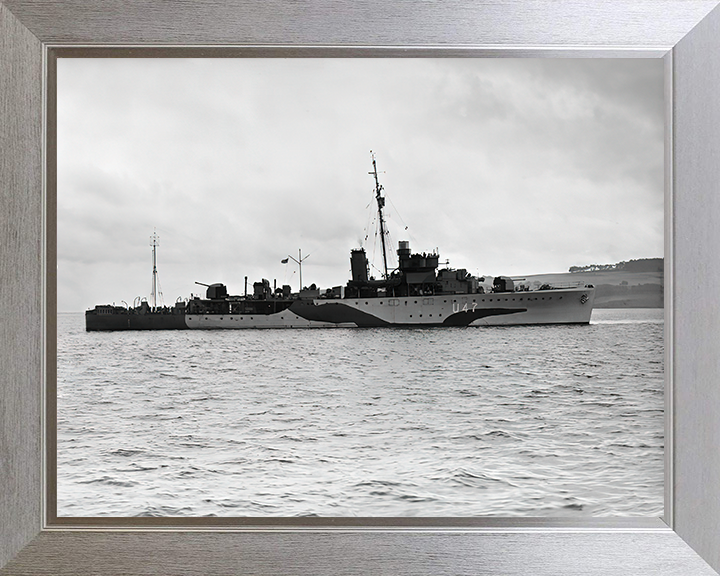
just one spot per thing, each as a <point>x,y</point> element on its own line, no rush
<point>489,421</point>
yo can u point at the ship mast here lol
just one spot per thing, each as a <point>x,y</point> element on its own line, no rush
<point>381,204</point>
<point>299,262</point>
<point>154,242</point>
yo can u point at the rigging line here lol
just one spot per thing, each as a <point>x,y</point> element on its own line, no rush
<point>388,242</point>
<point>159,290</point>
<point>375,268</point>
<point>397,213</point>
<point>370,219</point>
<point>391,256</point>
<point>372,260</point>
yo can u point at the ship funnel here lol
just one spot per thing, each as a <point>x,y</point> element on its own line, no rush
<point>403,248</point>
<point>359,265</point>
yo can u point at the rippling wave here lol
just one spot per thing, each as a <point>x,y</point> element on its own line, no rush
<point>500,421</point>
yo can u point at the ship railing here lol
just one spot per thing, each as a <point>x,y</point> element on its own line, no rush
<point>550,286</point>
<point>561,285</point>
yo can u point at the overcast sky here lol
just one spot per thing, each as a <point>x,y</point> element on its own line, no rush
<point>506,166</point>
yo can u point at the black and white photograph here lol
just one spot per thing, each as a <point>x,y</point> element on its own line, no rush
<point>368,287</point>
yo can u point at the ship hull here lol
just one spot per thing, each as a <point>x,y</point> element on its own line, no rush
<point>131,321</point>
<point>561,306</point>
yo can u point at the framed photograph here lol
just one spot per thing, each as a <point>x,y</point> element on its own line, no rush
<point>478,169</point>
<point>38,540</point>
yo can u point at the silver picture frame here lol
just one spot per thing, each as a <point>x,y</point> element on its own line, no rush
<point>685,33</point>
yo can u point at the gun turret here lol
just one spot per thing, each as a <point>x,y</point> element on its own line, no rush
<point>214,291</point>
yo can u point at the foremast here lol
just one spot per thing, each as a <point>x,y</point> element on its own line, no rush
<point>381,218</point>
<point>154,242</point>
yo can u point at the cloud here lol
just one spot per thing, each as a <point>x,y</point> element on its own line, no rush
<point>510,166</point>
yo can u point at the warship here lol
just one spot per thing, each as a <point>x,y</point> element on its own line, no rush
<point>415,294</point>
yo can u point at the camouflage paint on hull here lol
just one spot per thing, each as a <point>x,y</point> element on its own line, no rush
<point>565,306</point>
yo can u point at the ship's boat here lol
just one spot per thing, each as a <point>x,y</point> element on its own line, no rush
<point>415,294</point>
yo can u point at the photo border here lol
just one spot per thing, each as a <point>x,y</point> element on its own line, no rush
<point>476,543</point>
<point>54,521</point>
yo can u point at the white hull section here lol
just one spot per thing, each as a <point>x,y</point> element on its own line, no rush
<point>562,306</point>
<point>283,319</point>
<point>569,306</point>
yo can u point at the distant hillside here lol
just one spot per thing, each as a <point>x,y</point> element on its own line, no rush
<point>642,265</point>
<point>634,284</point>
